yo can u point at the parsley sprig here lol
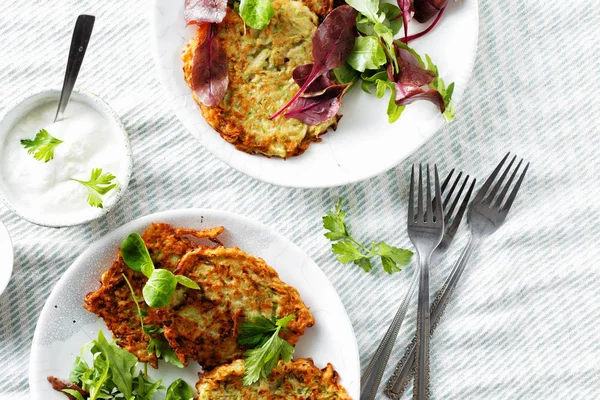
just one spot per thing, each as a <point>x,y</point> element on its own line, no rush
<point>98,185</point>
<point>261,335</point>
<point>42,146</point>
<point>348,249</point>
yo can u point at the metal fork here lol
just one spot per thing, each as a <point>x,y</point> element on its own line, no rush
<point>374,371</point>
<point>425,232</point>
<point>483,218</point>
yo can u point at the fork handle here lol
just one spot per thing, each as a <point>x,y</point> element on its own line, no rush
<point>421,388</point>
<point>404,369</point>
<point>369,382</point>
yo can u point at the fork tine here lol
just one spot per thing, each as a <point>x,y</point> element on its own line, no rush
<point>490,197</point>
<point>498,202</point>
<point>411,197</point>
<point>420,196</point>
<point>449,195</point>
<point>479,197</point>
<point>429,211</point>
<point>448,211</point>
<point>444,184</point>
<point>461,210</point>
<point>438,195</point>
<point>513,194</point>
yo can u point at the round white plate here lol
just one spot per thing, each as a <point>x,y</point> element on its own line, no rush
<point>365,144</point>
<point>6,257</point>
<point>64,326</point>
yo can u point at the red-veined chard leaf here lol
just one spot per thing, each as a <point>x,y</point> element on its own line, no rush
<point>426,9</point>
<point>210,76</point>
<point>407,13</point>
<point>201,11</point>
<point>332,42</point>
<point>301,74</point>
<point>318,108</point>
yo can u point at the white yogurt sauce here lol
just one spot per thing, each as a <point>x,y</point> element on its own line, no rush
<point>44,191</point>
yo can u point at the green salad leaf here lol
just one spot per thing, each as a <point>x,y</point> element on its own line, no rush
<point>256,14</point>
<point>366,54</point>
<point>159,288</point>
<point>136,255</point>
<point>349,250</point>
<point>261,335</point>
<point>179,390</point>
<point>42,146</point>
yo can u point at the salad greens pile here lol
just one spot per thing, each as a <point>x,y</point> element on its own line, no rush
<point>261,336</point>
<point>112,375</point>
<point>348,249</point>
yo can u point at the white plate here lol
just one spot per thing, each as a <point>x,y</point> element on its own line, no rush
<point>64,326</point>
<point>6,257</point>
<point>365,144</point>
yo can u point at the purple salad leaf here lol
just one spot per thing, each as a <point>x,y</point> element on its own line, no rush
<point>332,42</point>
<point>201,11</point>
<point>409,94</point>
<point>408,11</point>
<point>318,109</point>
<point>301,74</point>
<point>426,9</point>
<point>210,74</point>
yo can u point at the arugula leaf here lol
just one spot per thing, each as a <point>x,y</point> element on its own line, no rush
<point>347,249</point>
<point>98,185</point>
<point>136,255</point>
<point>42,146</point>
<point>144,388</point>
<point>179,390</point>
<point>269,348</point>
<point>366,54</point>
<point>122,364</point>
<point>256,14</point>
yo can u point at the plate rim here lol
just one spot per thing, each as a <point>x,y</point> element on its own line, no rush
<point>175,213</point>
<point>458,96</point>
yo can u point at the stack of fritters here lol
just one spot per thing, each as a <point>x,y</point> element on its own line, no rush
<point>199,324</point>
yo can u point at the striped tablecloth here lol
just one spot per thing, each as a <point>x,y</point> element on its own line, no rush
<point>524,321</point>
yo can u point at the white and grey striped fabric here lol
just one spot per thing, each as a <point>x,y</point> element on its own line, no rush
<point>524,323</point>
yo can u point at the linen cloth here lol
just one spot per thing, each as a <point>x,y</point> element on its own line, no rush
<point>523,323</point>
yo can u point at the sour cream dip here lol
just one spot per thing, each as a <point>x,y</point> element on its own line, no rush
<point>46,192</point>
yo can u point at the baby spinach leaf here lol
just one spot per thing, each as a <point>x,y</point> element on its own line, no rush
<point>366,54</point>
<point>160,288</point>
<point>210,74</point>
<point>135,254</point>
<point>179,390</point>
<point>332,42</point>
<point>256,14</point>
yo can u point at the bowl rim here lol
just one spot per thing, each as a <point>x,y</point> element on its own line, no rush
<point>4,232</point>
<point>104,108</point>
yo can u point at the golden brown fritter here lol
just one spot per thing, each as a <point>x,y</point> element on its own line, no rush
<point>298,379</point>
<point>113,301</point>
<point>204,324</point>
<point>260,64</point>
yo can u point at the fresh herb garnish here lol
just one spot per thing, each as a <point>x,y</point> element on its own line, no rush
<point>267,348</point>
<point>161,283</point>
<point>349,249</point>
<point>42,146</point>
<point>98,185</point>
<point>256,14</point>
<point>111,374</point>
<point>179,390</point>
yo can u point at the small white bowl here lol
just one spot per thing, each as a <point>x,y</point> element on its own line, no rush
<point>6,257</point>
<point>18,109</point>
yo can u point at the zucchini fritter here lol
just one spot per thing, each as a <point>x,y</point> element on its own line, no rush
<point>204,324</point>
<point>113,301</point>
<point>261,63</point>
<point>298,379</point>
